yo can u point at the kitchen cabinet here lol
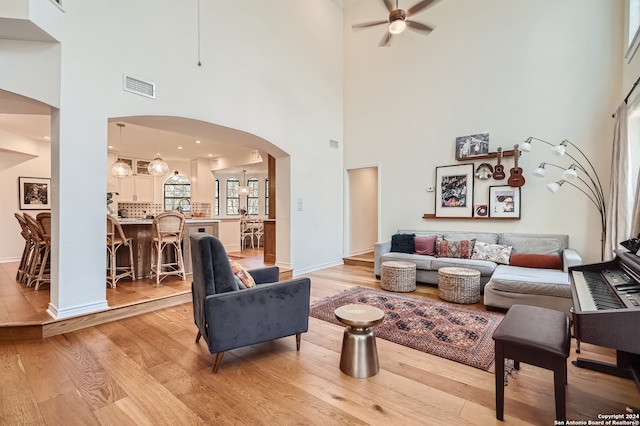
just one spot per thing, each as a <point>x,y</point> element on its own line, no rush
<point>137,188</point>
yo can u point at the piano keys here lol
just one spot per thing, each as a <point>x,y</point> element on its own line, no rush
<point>606,312</point>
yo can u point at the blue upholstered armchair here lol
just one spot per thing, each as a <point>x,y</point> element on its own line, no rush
<point>230,318</point>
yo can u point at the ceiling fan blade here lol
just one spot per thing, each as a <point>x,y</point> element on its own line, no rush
<point>419,7</point>
<point>389,5</point>
<point>418,26</point>
<point>369,24</point>
<point>386,39</point>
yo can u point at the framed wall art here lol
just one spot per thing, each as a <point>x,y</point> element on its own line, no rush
<point>454,191</point>
<point>472,145</point>
<point>504,201</point>
<point>34,193</point>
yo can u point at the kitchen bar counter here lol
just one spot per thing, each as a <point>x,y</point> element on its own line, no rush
<point>140,230</point>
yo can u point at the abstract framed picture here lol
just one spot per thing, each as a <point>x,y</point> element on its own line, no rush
<point>504,201</point>
<point>472,145</point>
<point>454,191</point>
<point>34,193</point>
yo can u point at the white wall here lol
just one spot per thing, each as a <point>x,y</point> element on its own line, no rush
<point>511,68</point>
<point>280,82</point>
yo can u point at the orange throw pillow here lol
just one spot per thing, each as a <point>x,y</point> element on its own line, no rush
<point>541,261</point>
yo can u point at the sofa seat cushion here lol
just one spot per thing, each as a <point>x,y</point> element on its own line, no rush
<point>422,262</point>
<point>517,279</point>
<point>485,267</point>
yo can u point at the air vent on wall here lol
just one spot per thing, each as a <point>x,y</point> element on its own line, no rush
<point>333,144</point>
<point>139,87</point>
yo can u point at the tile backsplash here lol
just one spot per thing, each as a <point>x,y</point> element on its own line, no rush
<point>138,210</point>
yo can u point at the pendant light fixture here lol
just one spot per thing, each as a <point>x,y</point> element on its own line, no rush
<point>120,169</point>
<point>158,167</point>
<point>244,189</point>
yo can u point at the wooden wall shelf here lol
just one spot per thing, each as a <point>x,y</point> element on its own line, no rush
<point>507,153</point>
<point>433,216</point>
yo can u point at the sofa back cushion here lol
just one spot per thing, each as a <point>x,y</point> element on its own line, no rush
<point>551,244</point>
<point>485,237</point>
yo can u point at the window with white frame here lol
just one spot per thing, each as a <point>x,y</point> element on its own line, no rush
<point>252,198</point>
<point>233,200</point>
<point>216,206</point>
<point>177,193</point>
<point>266,196</point>
<point>633,36</point>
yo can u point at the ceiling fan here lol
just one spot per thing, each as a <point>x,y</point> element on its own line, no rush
<point>398,21</point>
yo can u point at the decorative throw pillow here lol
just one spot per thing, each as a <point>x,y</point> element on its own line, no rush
<point>461,249</point>
<point>242,274</point>
<point>493,252</point>
<point>542,261</point>
<point>425,245</point>
<point>403,243</point>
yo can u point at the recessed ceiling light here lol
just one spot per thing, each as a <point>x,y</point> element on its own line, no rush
<point>110,147</point>
<point>210,155</point>
<point>47,137</point>
<point>179,147</point>
<point>197,141</point>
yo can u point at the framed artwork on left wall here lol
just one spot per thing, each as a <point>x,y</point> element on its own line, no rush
<point>454,191</point>
<point>34,193</point>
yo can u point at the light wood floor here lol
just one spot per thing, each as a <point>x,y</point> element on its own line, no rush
<point>148,370</point>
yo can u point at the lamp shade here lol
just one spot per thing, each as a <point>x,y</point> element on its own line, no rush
<point>158,167</point>
<point>553,187</point>
<point>397,26</point>
<point>526,145</point>
<point>570,173</point>
<point>121,170</point>
<point>539,172</point>
<point>560,149</point>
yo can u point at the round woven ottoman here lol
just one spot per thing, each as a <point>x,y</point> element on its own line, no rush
<point>398,276</point>
<point>459,285</point>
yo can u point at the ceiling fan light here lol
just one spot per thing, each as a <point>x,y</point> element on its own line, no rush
<point>398,26</point>
<point>121,170</point>
<point>158,167</point>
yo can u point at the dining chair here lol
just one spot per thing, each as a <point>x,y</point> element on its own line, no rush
<point>246,231</point>
<point>258,232</point>
<point>115,240</point>
<point>166,233</point>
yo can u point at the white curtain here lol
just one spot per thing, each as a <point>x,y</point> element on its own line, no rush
<point>620,197</point>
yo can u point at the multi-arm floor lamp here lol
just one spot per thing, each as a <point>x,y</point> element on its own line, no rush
<point>589,186</point>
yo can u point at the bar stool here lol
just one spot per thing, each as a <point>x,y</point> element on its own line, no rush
<point>115,240</point>
<point>21,275</point>
<point>536,336</point>
<point>166,232</point>
<point>37,272</point>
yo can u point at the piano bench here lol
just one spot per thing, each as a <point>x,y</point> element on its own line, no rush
<point>536,336</point>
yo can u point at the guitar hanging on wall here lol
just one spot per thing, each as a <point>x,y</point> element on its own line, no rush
<point>498,170</point>
<point>516,178</point>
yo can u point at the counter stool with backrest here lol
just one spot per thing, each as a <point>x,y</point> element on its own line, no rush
<point>536,336</point>
<point>115,240</point>
<point>166,233</point>
<point>44,272</point>
<point>37,272</point>
<point>21,275</point>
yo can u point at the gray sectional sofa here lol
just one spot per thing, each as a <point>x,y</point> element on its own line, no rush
<point>503,285</point>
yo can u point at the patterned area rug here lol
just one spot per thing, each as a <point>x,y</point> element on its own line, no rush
<point>446,330</point>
